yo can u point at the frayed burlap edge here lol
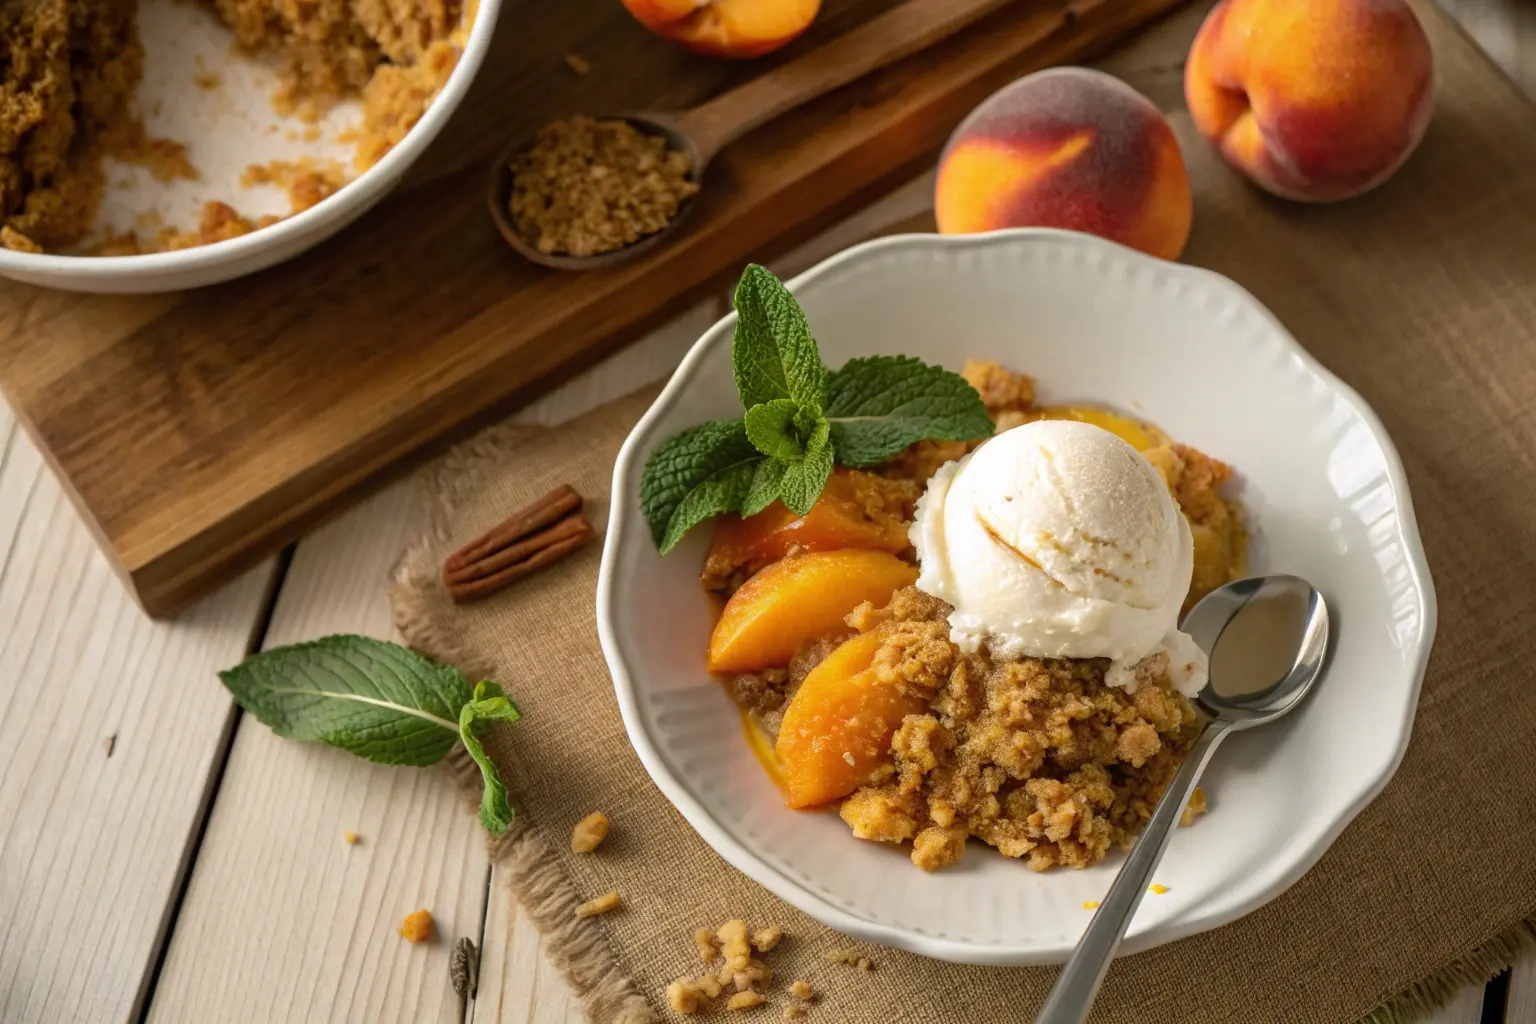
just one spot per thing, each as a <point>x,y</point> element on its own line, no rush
<point>524,860</point>
<point>1428,994</point>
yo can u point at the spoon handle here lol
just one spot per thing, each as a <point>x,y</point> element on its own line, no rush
<point>1072,996</point>
<point>900,32</point>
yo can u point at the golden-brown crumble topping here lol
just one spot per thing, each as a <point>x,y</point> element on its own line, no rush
<point>1036,757</point>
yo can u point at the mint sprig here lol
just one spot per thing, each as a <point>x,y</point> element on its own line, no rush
<point>799,419</point>
<point>377,700</point>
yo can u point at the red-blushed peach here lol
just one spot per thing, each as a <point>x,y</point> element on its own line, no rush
<point>726,28</point>
<point>1312,99</point>
<point>1067,148</point>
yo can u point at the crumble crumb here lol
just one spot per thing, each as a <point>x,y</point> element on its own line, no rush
<point>352,838</point>
<point>745,1000</point>
<point>1090,904</point>
<point>1001,389</point>
<point>1156,889</point>
<point>578,64</point>
<point>599,905</point>
<point>417,926</point>
<point>765,939</point>
<point>793,1012</point>
<point>704,940</point>
<point>589,832</point>
<point>801,990</point>
<point>734,945</point>
<point>851,958</point>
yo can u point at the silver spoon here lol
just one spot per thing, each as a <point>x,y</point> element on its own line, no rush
<point>1267,638</point>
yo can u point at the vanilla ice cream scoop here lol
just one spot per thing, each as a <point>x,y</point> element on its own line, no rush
<point>1056,539</point>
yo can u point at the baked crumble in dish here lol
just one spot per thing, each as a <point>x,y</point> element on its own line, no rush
<point>70,69</point>
<point>861,688</point>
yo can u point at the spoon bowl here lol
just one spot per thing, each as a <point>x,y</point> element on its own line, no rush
<point>499,195</point>
<point>1266,638</point>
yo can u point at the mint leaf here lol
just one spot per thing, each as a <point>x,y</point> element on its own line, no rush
<point>489,704</point>
<point>803,480</point>
<point>377,700</point>
<point>773,355</point>
<point>705,471</point>
<point>879,405</point>
<point>765,486</point>
<point>374,699</point>
<point>771,427</point>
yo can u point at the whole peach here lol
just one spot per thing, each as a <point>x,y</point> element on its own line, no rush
<point>1067,148</point>
<point>726,28</point>
<point>1313,99</point>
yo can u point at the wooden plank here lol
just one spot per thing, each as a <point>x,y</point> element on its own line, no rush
<point>111,728</point>
<point>1506,30</point>
<point>1520,1007</point>
<point>205,429</point>
<point>283,920</point>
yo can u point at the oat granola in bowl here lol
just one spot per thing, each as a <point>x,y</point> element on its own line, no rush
<point>956,647</point>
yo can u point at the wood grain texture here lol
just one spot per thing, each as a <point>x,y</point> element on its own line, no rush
<point>201,430</point>
<point>296,924</point>
<point>111,729</point>
<point>1520,1006</point>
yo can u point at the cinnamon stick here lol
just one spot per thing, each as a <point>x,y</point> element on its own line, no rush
<point>551,508</point>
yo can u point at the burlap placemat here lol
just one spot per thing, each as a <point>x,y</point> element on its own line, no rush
<point>1423,296</point>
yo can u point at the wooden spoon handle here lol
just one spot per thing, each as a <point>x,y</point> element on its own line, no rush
<point>899,32</point>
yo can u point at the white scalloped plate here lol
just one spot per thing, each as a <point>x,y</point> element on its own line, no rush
<point>1191,352</point>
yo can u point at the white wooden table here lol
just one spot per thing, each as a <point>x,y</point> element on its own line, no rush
<point>164,858</point>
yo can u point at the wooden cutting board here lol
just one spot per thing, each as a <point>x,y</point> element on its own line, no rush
<point>200,431</point>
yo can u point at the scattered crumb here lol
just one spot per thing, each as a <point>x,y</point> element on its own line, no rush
<point>110,743</point>
<point>599,905</point>
<point>684,996</point>
<point>307,181</point>
<point>848,756</point>
<point>1090,904</point>
<point>1156,889</point>
<point>745,1000</point>
<point>589,832</point>
<point>18,242</point>
<point>765,939</point>
<point>417,926</point>
<point>208,80</point>
<point>577,63</point>
<point>851,958</point>
<point>801,990</point>
<point>165,159</point>
<point>352,838</point>
<point>793,1012</point>
<point>734,945</point>
<point>704,939</point>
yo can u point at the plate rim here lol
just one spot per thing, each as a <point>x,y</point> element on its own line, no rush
<point>623,518</point>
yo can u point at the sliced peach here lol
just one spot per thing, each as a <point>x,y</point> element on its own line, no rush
<point>838,728</point>
<point>797,600</point>
<point>841,518</point>
<point>1141,436</point>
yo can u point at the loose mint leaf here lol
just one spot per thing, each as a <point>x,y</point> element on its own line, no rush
<point>879,405</point>
<point>705,471</point>
<point>489,704</point>
<point>375,699</point>
<point>803,480</point>
<point>765,486</point>
<point>773,355</point>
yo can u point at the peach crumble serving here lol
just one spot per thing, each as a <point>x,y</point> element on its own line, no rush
<point>870,646</point>
<point>949,611</point>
